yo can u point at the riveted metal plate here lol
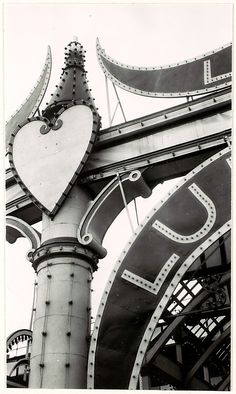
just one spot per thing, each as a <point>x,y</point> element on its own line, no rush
<point>211,71</point>
<point>46,166</point>
<point>132,302</point>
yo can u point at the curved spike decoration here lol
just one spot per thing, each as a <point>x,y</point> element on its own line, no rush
<point>212,71</point>
<point>32,102</point>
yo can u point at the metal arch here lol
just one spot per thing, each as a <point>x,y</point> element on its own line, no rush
<point>16,228</point>
<point>106,206</point>
<point>32,102</point>
<point>177,275</point>
<point>206,354</point>
<point>16,334</point>
<point>151,353</point>
<point>23,361</point>
<point>165,298</point>
<point>137,79</point>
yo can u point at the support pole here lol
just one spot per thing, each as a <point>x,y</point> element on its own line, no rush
<point>62,321</point>
<point>125,202</point>
<point>119,103</point>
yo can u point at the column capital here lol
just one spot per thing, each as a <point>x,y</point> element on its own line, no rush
<point>63,247</point>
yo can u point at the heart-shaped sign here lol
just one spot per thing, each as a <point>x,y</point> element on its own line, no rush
<point>46,159</point>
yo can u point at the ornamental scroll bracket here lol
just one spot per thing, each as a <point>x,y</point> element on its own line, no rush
<point>105,208</point>
<point>16,228</point>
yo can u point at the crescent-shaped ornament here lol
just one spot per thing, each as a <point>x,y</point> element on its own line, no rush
<point>202,74</point>
<point>29,107</point>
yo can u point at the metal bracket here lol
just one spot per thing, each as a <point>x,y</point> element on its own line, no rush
<point>107,205</point>
<point>16,228</point>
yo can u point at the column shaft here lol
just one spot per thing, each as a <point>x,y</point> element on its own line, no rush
<point>62,321</point>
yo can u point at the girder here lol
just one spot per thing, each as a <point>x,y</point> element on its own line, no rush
<point>143,282</point>
<point>180,318</point>
<point>172,373</point>
<point>165,145</point>
<point>207,354</point>
<point>198,326</point>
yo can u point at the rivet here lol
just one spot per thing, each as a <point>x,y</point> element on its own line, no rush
<point>70,302</point>
<point>44,333</point>
<point>67,365</point>
<point>47,302</point>
<point>68,333</point>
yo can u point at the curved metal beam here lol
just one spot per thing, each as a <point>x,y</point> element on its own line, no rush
<point>24,361</point>
<point>106,206</point>
<point>33,100</point>
<point>174,80</point>
<point>16,334</point>
<point>206,354</point>
<point>124,304</point>
<point>16,228</point>
<point>165,298</point>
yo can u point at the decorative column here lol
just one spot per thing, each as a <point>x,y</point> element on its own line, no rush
<point>62,321</point>
<point>47,154</point>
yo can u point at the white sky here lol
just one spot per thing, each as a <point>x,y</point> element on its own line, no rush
<point>136,34</point>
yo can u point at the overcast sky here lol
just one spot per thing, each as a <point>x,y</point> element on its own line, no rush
<point>135,34</point>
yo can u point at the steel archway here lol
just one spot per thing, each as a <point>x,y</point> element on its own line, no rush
<point>140,288</point>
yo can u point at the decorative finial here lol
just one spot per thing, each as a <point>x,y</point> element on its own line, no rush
<point>73,85</point>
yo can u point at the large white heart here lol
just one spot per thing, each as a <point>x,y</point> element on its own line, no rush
<point>47,165</point>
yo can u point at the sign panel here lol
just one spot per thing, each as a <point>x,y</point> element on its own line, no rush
<point>200,75</point>
<point>178,230</point>
<point>46,158</point>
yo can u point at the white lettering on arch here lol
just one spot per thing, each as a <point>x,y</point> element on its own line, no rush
<point>207,74</point>
<point>152,287</point>
<point>211,217</point>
